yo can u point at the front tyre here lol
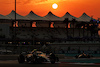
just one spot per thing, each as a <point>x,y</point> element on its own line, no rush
<point>21,59</point>
<point>52,61</point>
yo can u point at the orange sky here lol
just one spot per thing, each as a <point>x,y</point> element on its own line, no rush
<point>42,7</point>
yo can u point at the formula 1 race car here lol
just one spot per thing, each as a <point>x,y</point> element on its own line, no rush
<point>83,56</point>
<point>37,57</point>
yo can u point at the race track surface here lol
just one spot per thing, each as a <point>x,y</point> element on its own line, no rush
<point>14,63</point>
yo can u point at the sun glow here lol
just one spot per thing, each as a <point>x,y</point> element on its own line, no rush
<point>54,6</point>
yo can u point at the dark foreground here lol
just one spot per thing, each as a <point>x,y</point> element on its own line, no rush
<point>14,63</point>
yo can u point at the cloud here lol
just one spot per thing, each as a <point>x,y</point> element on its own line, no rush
<point>22,2</point>
<point>37,1</point>
<point>47,1</point>
<point>30,2</point>
<point>27,1</point>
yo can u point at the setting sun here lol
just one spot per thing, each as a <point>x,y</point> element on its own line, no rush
<point>54,6</point>
<point>58,7</point>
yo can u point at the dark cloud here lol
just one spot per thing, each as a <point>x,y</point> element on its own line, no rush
<point>38,1</point>
<point>47,1</point>
<point>22,2</point>
<point>29,1</point>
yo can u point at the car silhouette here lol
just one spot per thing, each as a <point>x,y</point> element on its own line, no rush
<point>37,57</point>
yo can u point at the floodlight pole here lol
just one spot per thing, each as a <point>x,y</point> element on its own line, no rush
<point>15,13</point>
<point>15,22</point>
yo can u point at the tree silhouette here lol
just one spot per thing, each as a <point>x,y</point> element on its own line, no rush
<point>92,28</point>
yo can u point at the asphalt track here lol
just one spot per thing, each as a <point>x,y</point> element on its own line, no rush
<point>14,63</point>
<point>11,61</point>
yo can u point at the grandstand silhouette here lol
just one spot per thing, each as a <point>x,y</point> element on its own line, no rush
<point>67,30</point>
<point>64,29</point>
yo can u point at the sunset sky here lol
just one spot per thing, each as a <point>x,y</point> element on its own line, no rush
<point>42,7</point>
